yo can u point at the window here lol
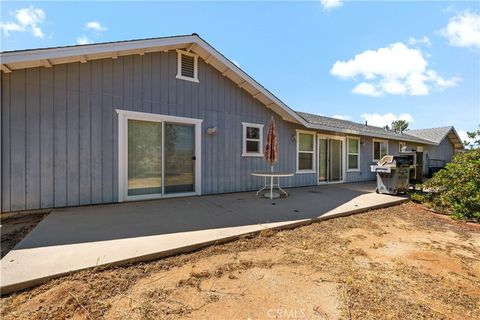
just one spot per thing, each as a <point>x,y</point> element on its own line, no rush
<point>402,146</point>
<point>252,140</point>
<point>187,66</point>
<point>353,154</point>
<point>305,152</point>
<point>380,149</point>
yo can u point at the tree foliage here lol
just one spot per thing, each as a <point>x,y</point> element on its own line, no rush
<point>399,126</point>
<point>475,137</point>
<point>456,188</point>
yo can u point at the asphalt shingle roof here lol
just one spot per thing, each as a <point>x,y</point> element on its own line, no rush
<point>431,134</point>
<point>358,127</point>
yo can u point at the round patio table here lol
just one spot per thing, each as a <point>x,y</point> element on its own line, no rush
<point>272,184</point>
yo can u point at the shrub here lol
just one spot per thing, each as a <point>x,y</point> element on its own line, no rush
<point>456,188</point>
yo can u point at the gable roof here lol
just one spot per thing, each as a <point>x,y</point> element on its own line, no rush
<point>20,59</point>
<point>436,135</point>
<point>357,128</point>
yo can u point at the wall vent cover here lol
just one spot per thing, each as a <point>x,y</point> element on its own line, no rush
<point>188,66</point>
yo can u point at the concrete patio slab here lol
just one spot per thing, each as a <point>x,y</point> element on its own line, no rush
<point>73,239</point>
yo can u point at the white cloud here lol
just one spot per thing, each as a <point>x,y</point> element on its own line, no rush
<point>464,136</point>
<point>83,40</point>
<point>463,30</point>
<point>414,41</point>
<point>235,62</point>
<point>395,69</point>
<point>366,89</point>
<point>379,120</point>
<point>95,26</point>
<point>26,19</point>
<point>342,117</point>
<point>331,4</point>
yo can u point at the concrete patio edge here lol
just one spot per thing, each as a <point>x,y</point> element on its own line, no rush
<point>8,289</point>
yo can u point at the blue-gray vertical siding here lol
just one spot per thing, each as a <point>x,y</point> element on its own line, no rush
<point>59,128</point>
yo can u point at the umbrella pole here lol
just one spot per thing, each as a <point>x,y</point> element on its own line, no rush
<point>271,183</point>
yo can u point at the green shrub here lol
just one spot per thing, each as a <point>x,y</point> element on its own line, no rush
<point>456,188</point>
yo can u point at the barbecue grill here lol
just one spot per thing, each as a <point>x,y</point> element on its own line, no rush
<point>392,174</point>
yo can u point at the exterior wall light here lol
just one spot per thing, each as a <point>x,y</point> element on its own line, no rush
<point>212,131</point>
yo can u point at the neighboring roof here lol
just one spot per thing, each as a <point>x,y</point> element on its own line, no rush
<point>436,135</point>
<point>358,128</point>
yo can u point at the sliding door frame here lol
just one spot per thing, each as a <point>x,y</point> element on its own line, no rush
<point>343,153</point>
<point>123,117</point>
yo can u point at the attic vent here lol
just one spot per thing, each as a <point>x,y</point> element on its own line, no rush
<point>187,66</point>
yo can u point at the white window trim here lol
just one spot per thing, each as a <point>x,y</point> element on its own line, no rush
<point>351,153</point>
<point>179,66</point>
<point>314,135</point>
<point>244,140</point>
<point>373,147</point>
<point>123,117</point>
<point>400,145</point>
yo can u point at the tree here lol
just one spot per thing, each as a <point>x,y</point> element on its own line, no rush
<point>475,137</point>
<point>399,126</point>
<point>456,188</point>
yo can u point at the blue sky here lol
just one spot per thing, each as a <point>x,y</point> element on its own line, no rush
<point>358,60</point>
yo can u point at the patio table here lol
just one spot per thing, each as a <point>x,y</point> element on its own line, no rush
<point>272,184</point>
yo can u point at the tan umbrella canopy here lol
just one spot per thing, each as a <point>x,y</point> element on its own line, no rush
<point>271,145</point>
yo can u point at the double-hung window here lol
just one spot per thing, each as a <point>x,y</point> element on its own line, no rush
<point>305,152</point>
<point>380,149</point>
<point>252,140</point>
<point>353,152</point>
<point>402,146</point>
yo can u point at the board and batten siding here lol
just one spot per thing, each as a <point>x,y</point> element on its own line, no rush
<point>59,128</point>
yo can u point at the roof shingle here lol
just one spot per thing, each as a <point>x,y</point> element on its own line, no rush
<point>359,128</point>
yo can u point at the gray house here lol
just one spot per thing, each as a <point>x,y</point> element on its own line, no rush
<point>163,117</point>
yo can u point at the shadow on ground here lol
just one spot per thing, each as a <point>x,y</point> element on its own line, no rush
<point>167,216</point>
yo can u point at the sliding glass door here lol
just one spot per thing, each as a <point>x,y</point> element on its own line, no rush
<point>160,158</point>
<point>330,159</point>
<point>335,157</point>
<point>179,158</point>
<point>144,157</point>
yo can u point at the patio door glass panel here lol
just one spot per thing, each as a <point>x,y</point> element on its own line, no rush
<point>179,158</point>
<point>322,159</point>
<point>335,160</point>
<point>144,157</point>
<point>330,160</point>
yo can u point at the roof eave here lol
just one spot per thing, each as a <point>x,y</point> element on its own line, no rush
<point>365,134</point>
<point>51,56</point>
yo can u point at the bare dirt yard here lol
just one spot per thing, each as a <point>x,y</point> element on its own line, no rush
<point>15,229</point>
<point>397,263</point>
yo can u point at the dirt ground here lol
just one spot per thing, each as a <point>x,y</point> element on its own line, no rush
<point>397,263</point>
<point>15,229</point>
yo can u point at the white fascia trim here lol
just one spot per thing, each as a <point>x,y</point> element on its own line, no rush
<point>250,81</point>
<point>53,53</point>
<point>118,47</point>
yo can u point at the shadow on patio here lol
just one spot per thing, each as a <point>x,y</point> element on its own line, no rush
<point>168,216</point>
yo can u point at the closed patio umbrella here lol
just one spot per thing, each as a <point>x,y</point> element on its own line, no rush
<point>271,150</point>
<point>271,145</point>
